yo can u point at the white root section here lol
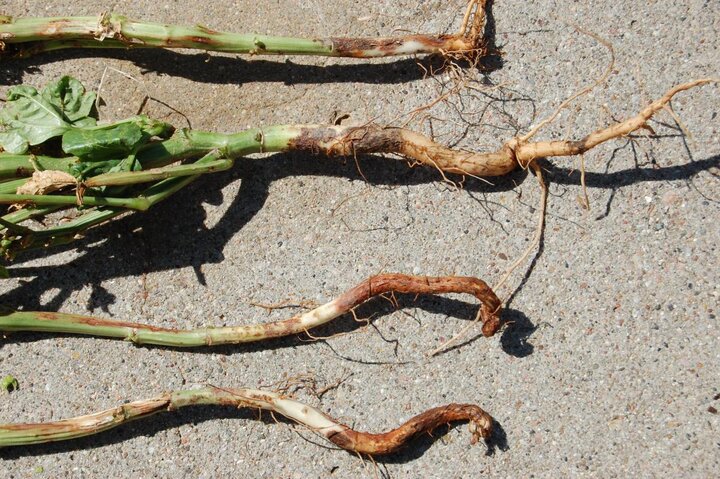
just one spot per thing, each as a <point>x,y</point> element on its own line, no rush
<point>308,416</point>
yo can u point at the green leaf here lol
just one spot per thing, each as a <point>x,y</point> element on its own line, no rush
<point>13,142</point>
<point>4,273</point>
<point>31,117</point>
<point>9,383</point>
<point>109,148</point>
<point>114,141</point>
<point>69,94</point>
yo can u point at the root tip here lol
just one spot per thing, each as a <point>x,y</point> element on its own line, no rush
<point>481,426</point>
<point>491,321</point>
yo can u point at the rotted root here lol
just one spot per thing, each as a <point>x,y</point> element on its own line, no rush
<point>349,141</point>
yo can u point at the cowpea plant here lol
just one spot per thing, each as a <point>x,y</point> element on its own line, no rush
<point>57,157</point>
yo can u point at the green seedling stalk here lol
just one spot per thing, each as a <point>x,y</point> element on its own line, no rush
<point>480,422</point>
<point>25,321</point>
<point>23,37</point>
<point>18,216</point>
<point>20,166</point>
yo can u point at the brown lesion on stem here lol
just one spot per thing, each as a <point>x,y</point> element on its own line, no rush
<point>206,30</point>
<point>490,308</point>
<point>480,423</point>
<point>94,321</point>
<point>197,40</point>
<point>55,29</point>
<point>91,423</point>
<point>366,47</point>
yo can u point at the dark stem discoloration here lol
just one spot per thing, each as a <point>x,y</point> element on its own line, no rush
<point>349,141</point>
<point>383,47</point>
<point>424,423</point>
<point>401,283</point>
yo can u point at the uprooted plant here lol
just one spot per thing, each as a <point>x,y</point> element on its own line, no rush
<point>23,37</point>
<point>480,422</point>
<point>101,169</point>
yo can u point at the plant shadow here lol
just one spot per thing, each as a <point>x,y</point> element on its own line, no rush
<point>128,246</point>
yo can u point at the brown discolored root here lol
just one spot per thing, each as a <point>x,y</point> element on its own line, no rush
<point>146,334</point>
<point>480,422</point>
<point>516,152</point>
<point>349,141</point>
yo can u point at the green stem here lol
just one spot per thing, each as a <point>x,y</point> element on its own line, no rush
<point>155,174</point>
<point>138,203</point>
<point>117,31</point>
<point>11,186</point>
<point>21,166</point>
<point>184,144</point>
<point>25,214</point>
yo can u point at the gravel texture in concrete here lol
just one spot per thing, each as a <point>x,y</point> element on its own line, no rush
<point>609,367</point>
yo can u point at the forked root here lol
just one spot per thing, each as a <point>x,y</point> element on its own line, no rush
<point>146,334</point>
<point>527,152</point>
<point>480,422</point>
